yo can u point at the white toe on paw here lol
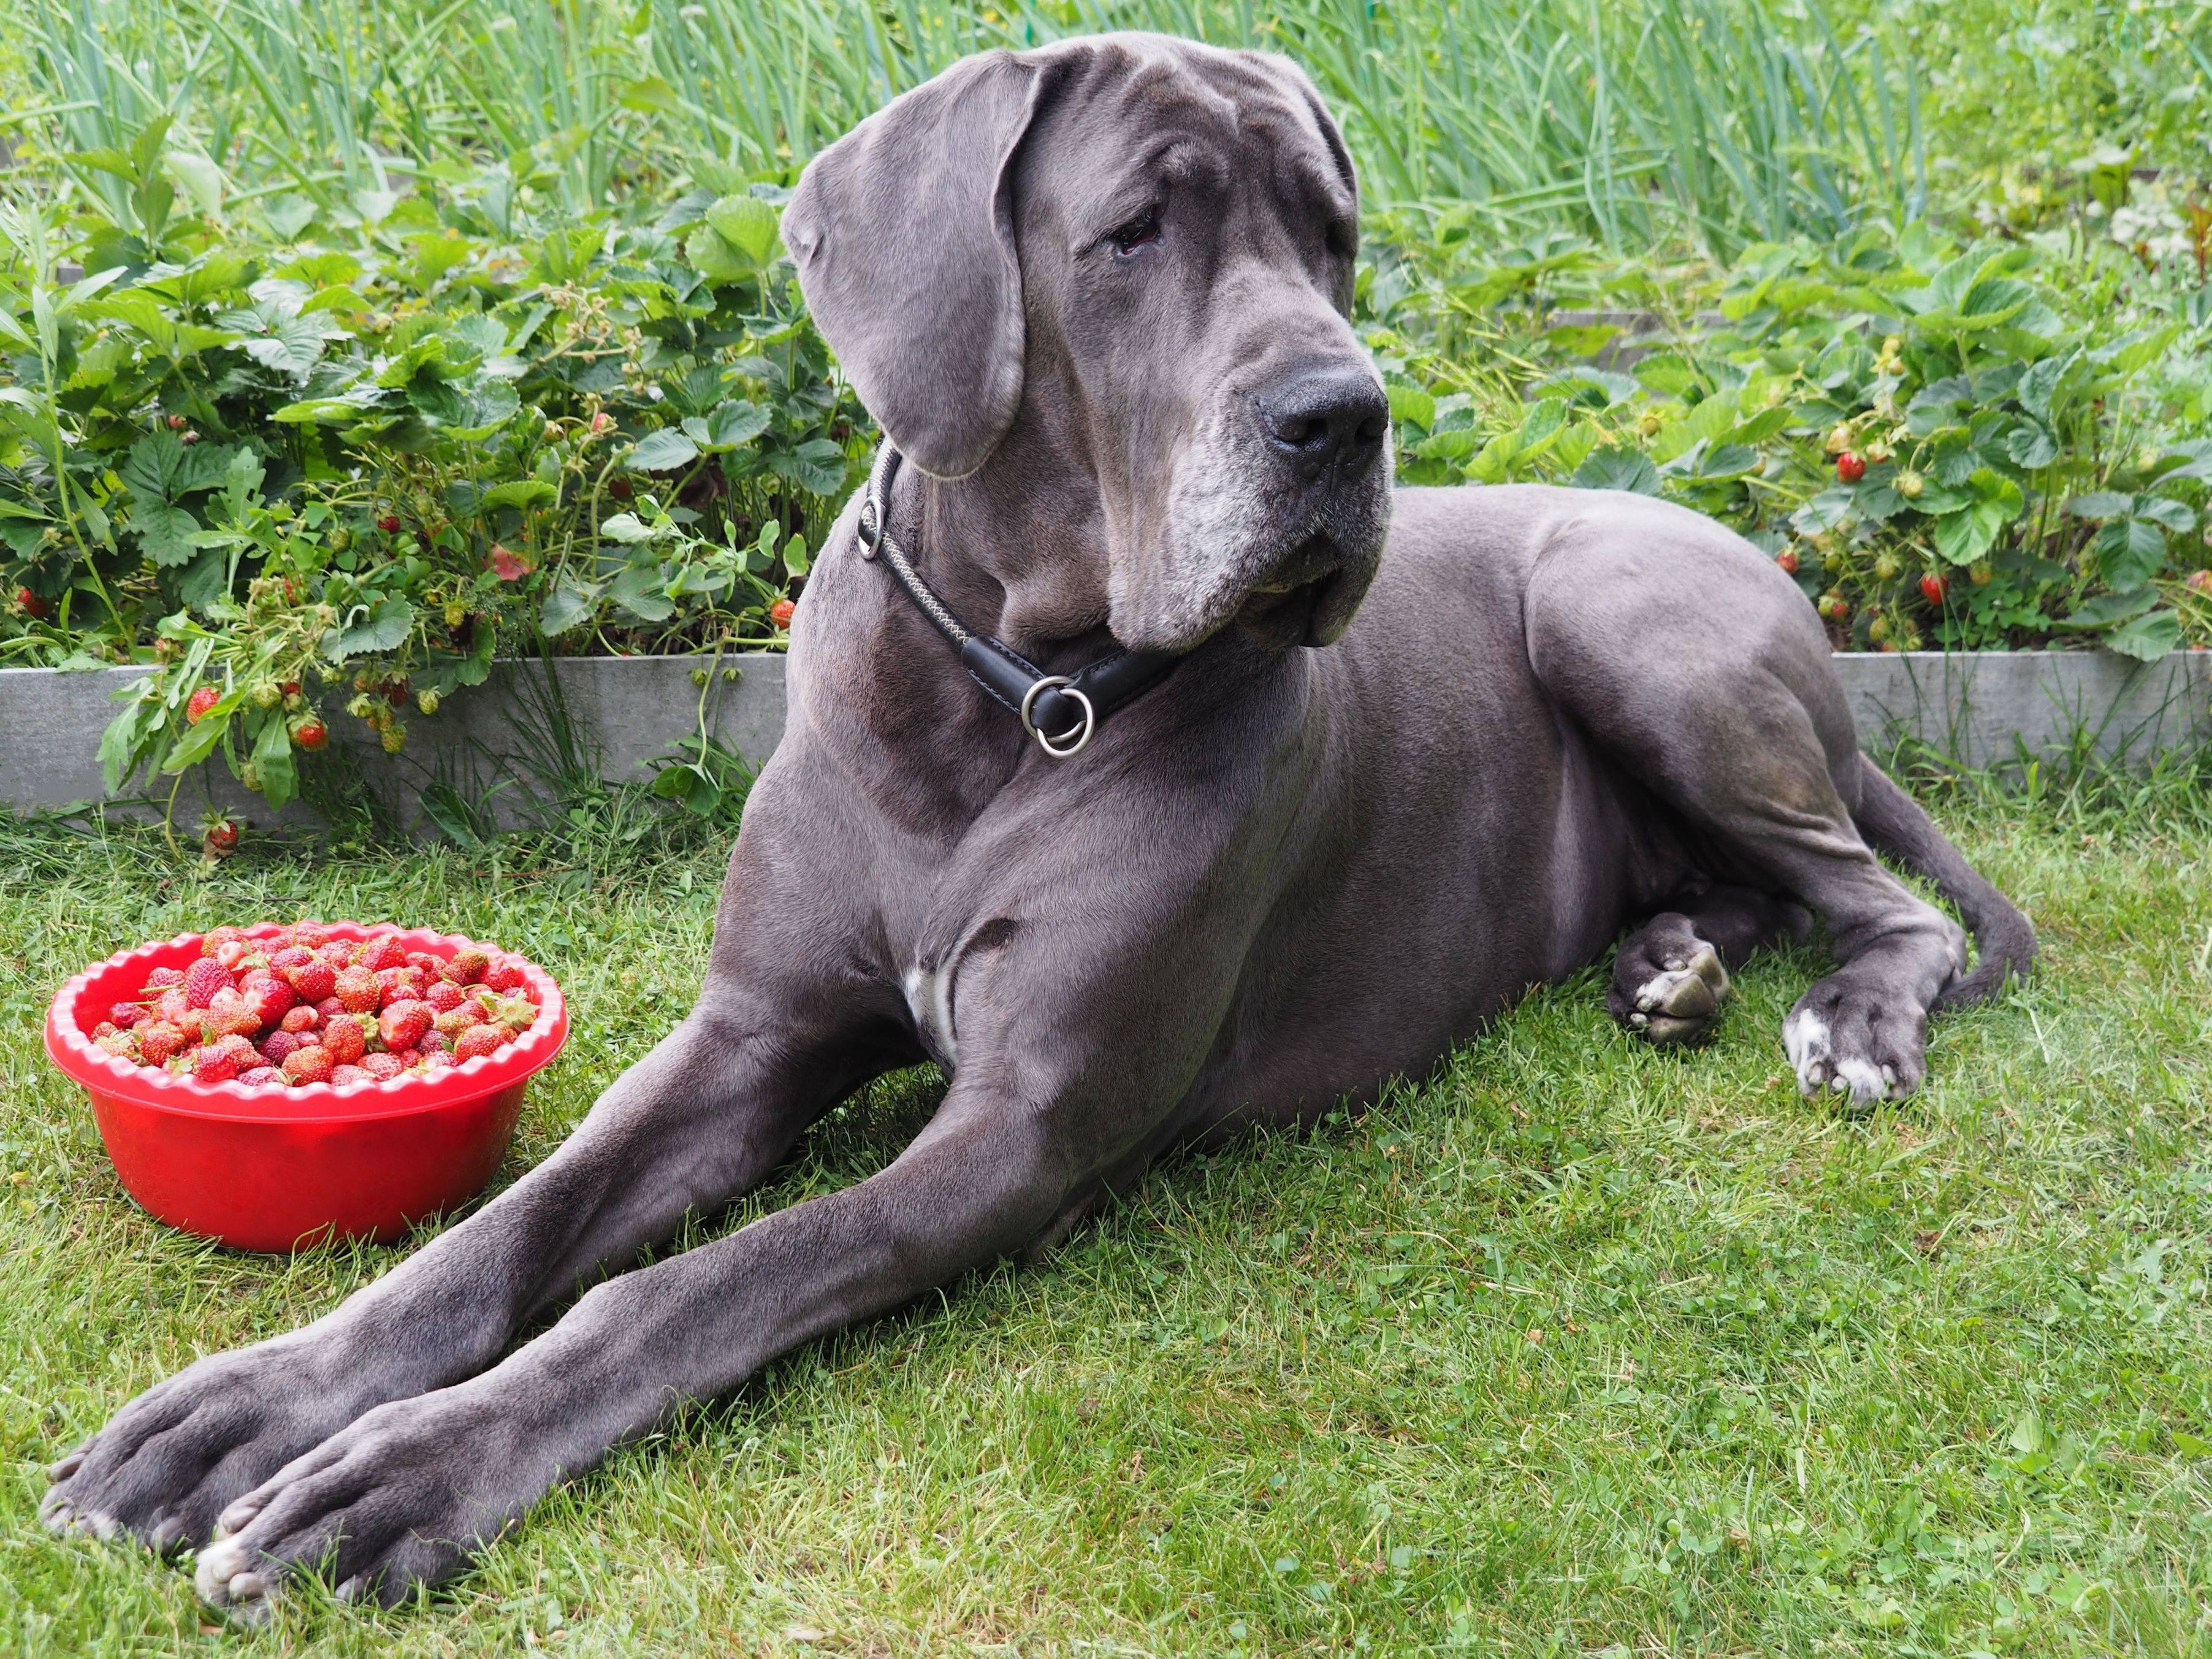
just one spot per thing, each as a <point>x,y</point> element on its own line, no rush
<point>218,1564</point>
<point>1806,1039</point>
<point>1862,1079</point>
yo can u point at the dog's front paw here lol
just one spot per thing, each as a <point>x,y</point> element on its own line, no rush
<point>169,1461</point>
<point>399,1498</point>
<point>1858,1040</point>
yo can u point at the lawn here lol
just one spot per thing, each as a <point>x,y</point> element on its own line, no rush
<point>1574,1348</point>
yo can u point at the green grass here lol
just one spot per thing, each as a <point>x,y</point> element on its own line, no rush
<point>1576,1348</point>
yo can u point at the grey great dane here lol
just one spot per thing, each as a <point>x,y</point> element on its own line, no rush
<point>1413,752</point>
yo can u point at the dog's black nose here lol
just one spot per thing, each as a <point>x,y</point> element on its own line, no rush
<point>1326,416</point>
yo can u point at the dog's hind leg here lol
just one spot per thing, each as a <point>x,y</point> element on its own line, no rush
<point>1670,975</point>
<point>1698,668</point>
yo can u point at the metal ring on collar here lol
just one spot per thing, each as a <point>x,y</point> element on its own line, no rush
<point>870,529</point>
<point>1066,689</point>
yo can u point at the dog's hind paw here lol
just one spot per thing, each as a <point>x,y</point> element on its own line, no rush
<point>1668,985</point>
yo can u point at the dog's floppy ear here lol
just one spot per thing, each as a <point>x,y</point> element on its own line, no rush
<point>904,234</point>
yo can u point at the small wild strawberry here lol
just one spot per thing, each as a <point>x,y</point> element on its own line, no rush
<point>311,734</point>
<point>781,612</point>
<point>388,523</point>
<point>197,705</point>
<point>1933,588</point>
<point>1787,558</point>
<point>1850,466</point>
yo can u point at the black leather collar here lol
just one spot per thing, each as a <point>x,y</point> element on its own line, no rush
<point>1061,711</point>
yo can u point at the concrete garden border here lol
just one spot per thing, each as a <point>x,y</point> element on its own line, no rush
<point>1981,709</point>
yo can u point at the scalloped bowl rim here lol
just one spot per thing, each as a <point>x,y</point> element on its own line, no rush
<point>110,1074</point>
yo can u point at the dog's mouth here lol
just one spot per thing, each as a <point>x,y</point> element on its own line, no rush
<point>1304,602</point>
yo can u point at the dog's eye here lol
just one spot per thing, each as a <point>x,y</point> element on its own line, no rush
<point>1144,228</point>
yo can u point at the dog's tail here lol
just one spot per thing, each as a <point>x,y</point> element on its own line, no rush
<point>1893,823</point>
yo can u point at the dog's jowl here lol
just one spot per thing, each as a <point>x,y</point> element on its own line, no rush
<point>1331,770</point>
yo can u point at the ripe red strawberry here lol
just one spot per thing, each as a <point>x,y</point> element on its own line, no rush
<point>436,1059</point>
<point>174,1005</point>
<point>159,1042</point>
<point>309,1065</point>
<point>260,1075</point>
<point>357,990</point>
<point>781,612</point>
<point>291,956</point>
<point>442,994</point>
<point>122,1044</point>
<point>402,1023</point>
<point>388,523</point>
<point>342,1075</point>
<point>1787,558</point>
<point>279,1043</point>
<point>344,1038</point>
<point>433,1042</point>
<point>480,1040</point>
<point>271,1000</point>
<point>236,1017</point>
<point>215,937</point>
<point>162,978</point>
<point>384,950</point>
<point>399,985</point>
<point>430,965</point>
<point>382,1067</point>
<point>32,605</point>
<point>213,1065</point>
<point>1933,588</point>
<point>300,1019</point>
<point>313,980</point>
<point>308,935</point>
<point>197,705</point>
<point>127,1014</point>
<point>311,734</point>
<point>221,840</point>
<point>1850,466</point>
<point>232,954</point>
<point>330,1008</point>
<point>466,966</point>
<point>106,1028</point>
<point>203,979</point>
<point>338,952</point>
<point>504,975</point>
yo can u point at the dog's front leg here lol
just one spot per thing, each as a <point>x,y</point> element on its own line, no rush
<point>405,1494</point>
<point>705,1116</point>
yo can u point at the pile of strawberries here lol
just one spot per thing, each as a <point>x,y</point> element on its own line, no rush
<point>302,1007</point>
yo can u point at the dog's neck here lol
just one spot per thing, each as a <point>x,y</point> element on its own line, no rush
<point>1017,547</point>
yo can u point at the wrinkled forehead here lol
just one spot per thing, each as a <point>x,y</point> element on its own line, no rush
<point>1138,112</point>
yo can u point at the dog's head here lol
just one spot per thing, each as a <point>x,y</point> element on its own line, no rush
<point>1157,236</point>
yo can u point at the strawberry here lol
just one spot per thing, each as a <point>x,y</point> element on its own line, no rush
<point>279,1043</point>
<point>235,1016</point>
<point>290,957</point>
<point>454,1021</point>
<point>402,1023</point>
<point>311,734</point>
<point>430,965</point>
<point>212,1065</point>
<point>338,952</point>
<point>384,951</point>
<point>433,1041</point>
<point>343,1075</point>
<point>162,978</point>
<point>329,1009</point>
<point>1850,466</point>
<point>259,1076</point>
<point>312,1064</point>
<point>504,974</point>
<point>382,1067</point>
<point>480,1040</point>
<point>466,966</point>
<point>400,987</point>
<point>215,937</point>
<point>197,705</point>
<point>1787,558</point>
<point>232,954</point>
<point>443,995</point>
<point>271,1000</point>
<point>780,612</point>
<point>203,979</point>
<point>127,1014</point>
<point>308,935</point>
<point>106,1028</point>
<point>300,1019</point>
<point>1933,588</point>
<point>344,1037</point>
<point>122,1044</point>
<point>159,1042</point>
<point>221,840</point>
<point>312,979</point>
<point>388,523</point>
<point>357,989</point>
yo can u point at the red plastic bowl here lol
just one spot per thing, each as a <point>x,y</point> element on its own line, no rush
<point>275,1167</point>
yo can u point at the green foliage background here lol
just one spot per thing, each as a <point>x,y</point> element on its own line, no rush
<point>419,333</point>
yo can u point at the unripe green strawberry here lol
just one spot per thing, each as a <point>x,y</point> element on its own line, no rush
<point>309,1065</point>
